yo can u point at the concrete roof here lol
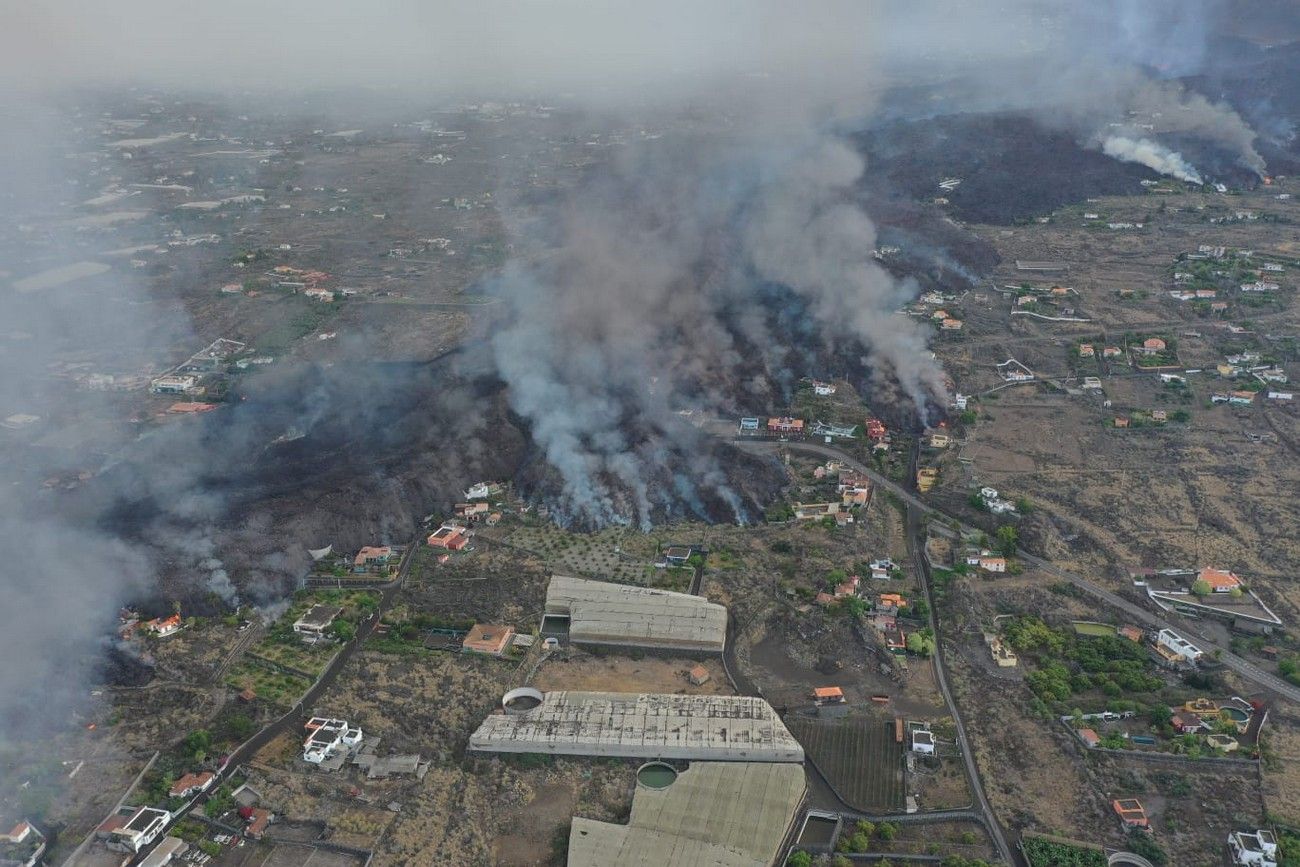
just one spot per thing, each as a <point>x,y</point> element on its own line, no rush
<point>704,727</point>
<point>604,613</point>
<point>716,814</point>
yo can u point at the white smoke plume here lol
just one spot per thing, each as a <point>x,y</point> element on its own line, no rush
<point>1151,154</point>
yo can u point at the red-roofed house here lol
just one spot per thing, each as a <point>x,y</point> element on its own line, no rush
<point>449,536</point>
<point>1090,738</point>
<point>1186,723</point>
<point>848,588</point>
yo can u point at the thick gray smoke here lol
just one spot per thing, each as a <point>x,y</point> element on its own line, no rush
<point>654,303</point>
<point>1152,155</point>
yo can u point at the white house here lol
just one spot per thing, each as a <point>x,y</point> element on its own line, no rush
<point>313,626</point>
<point>1253,848</point>
<point>823,389</point>
<point>144,826</point>
<point>1176,648</point>
<point>327,738</point>
<point>922,742</point>
<point>174,384</point>
<point>482,490</point>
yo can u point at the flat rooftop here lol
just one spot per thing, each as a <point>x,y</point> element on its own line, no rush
<point>639,725</point>
<point>727,814</point>
<point>319,616</point>
<point>604,613</point>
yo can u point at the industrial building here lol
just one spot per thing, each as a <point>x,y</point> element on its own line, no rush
<point>637,725</point>
<point>714,813</point>
<point>619,614</point>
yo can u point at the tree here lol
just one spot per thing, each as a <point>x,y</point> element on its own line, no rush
<point>197,743</point>
<point>1201,587</point>
<point>865,827</point>
<point>1008,540</point>
<point>343,630</point>
<point>919,644</point>
<point>886,831</point>
<point>799,859</point>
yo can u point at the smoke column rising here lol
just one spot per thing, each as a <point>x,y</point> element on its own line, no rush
<point>1152,155</point>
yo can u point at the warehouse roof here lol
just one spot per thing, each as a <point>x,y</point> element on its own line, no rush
<point>705,727</point>
<point>604,613</point>
<point>727,814</point>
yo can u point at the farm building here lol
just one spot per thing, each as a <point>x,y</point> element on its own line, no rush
<point>703,727</point>
<point>603,613</point>
<point>723,813</point>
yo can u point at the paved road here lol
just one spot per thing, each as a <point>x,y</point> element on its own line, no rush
<point>916,509</point>
<point>1242,667</point>
<point>915,545</point>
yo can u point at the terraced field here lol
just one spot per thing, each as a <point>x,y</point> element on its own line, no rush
<point>858,756</point>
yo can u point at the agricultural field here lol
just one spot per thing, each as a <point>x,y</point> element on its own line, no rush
<point>277,687</point>
<point>841,749</point>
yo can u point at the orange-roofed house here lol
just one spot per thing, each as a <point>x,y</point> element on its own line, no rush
<point>875,429</point>
<point>185,406</point>
<point>1130,812</point>
<point>785,425</point>
<point>848,588</point>
<point>824,598</point>
<point>1090,738</point>
<point>449,536</point>
<point>828,695</point>
<point>259,818</point>
<point>162,628</point>
<point>1153,344</point>
<point>191,784</point>
<point>371,557</point>
<point>1220,580</point>
<point>488,639</point>
<point>1132,633</point>
<point>891,602</point>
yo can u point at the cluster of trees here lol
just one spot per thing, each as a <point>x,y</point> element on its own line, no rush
<point>1071,664</point>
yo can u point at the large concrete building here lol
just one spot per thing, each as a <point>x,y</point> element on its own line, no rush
<point>619,614</point>
<point>704,727</point>
<point>714,814</point>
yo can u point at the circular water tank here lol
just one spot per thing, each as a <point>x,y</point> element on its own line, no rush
<point>656,775</point>
<point>521,699</point>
